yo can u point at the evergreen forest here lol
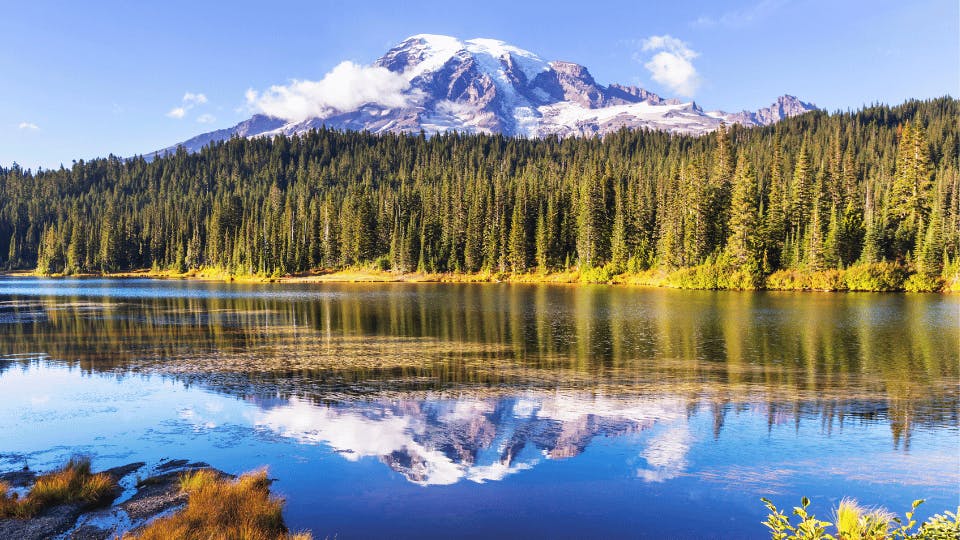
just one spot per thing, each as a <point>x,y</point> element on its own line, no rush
<point>866,200</point>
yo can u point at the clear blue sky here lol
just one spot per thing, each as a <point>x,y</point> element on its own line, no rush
<point>86,79</point>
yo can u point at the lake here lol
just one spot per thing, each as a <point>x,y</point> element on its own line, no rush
<point>479,410</point>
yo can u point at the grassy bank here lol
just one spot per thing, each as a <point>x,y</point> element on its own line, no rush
<point>74,483</point>
<point>219,507</point>
<point>874,277</point>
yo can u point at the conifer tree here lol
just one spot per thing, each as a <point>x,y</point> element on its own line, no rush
<point>930,257</point>
<point>801,191</point>
<point>831,244</point>
<point>720,188</point>
<point>775,217</point>
<point>743,244</point>
<point>591,222</point>
<point>518,253</point>
<point>619,248</point>
<point>910,200</point>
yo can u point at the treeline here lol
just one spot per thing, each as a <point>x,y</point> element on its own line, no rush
<point>812,194</point>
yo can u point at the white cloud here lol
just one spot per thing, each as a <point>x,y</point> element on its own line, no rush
<point>206,118</point>
<point>189,101</point>
<point>666,454</point>
<point>344,88</point>
<point>742,17</point>
<point>672,65</point>
<point>194,99</point>
<point>30,126</point>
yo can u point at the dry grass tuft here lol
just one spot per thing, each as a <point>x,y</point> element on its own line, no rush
<point>71,484</point>
<point>8,502</point>
<point>220,508</point>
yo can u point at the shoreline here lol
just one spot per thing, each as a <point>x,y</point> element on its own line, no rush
<point>654,278</point>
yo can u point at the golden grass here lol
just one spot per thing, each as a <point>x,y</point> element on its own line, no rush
<point>220,508</point>
<point>828,280</point>
<point>72,483</point>
<point>8,503</point>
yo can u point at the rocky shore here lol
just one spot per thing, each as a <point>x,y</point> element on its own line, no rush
<point>142,494</point>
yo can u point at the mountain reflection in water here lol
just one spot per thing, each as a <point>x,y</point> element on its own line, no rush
<point>634,403</point>
<point>445,441</point>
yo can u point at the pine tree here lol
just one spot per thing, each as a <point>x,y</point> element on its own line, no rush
<point>910,200</point>
<point>619,248</point>
<point>699,221</point>
<point>720,189</point>
<point>542,243</point>
<point>517,249</point>
<point>801,191</point>
<point>109,255</point>
<point>871,252</point>
<point>930,256</point>
<point>591,223</point>
<point>814,258</point>
<point>775,218</point>
<point>831,245</point>
<point>743,242</point>
<point>76,262</point>
<point>48,257</point>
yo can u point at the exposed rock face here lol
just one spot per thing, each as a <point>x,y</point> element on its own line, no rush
<point>488,86</point>
<point>784,107</point>
<point>637,94</point>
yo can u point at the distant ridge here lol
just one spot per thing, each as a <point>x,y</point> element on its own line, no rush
<point>488,86</point>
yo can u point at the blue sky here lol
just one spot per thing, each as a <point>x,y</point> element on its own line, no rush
<point>86,79</point>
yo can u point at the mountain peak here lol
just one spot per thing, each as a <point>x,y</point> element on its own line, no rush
<point>490,86</point>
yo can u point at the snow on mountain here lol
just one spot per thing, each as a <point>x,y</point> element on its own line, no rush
<point>488,86</point>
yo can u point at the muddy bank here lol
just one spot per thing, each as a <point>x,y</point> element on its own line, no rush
<point>142,494</point>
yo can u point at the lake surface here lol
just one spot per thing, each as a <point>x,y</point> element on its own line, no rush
<point>439,410</point>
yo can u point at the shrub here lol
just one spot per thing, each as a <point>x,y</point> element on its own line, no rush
<point>788,280</point>
<point>717,273</point>
<point>882,276</point>
<point>923,283</point>
<point>703,277</point>
<point>854,522</point>
<point>596,274</point>
<point>741,279</point>
<point>828,280</point>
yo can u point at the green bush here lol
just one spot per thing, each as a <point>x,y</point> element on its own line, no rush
<point>852,521</point>
<point>597,274</point>
<point>697,277</point>
<point>882,276</point>
<point>788,280</point>
<point>717,273</point>
<point>922,283</point>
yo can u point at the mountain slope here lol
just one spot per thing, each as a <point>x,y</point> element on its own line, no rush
<point>486,85</point>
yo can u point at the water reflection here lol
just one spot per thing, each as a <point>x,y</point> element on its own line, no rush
<point>883,358</point>
<point>495,410</point>
<point>444,441</point>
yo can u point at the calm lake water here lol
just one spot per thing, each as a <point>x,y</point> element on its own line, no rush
<point>436,410</point>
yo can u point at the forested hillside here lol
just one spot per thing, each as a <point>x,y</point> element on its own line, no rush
<point>877,190</point>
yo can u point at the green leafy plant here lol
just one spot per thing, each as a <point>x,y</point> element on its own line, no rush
<point>855,522</point>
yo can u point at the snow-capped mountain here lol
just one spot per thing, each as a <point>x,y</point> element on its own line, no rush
<point>486,85</point>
